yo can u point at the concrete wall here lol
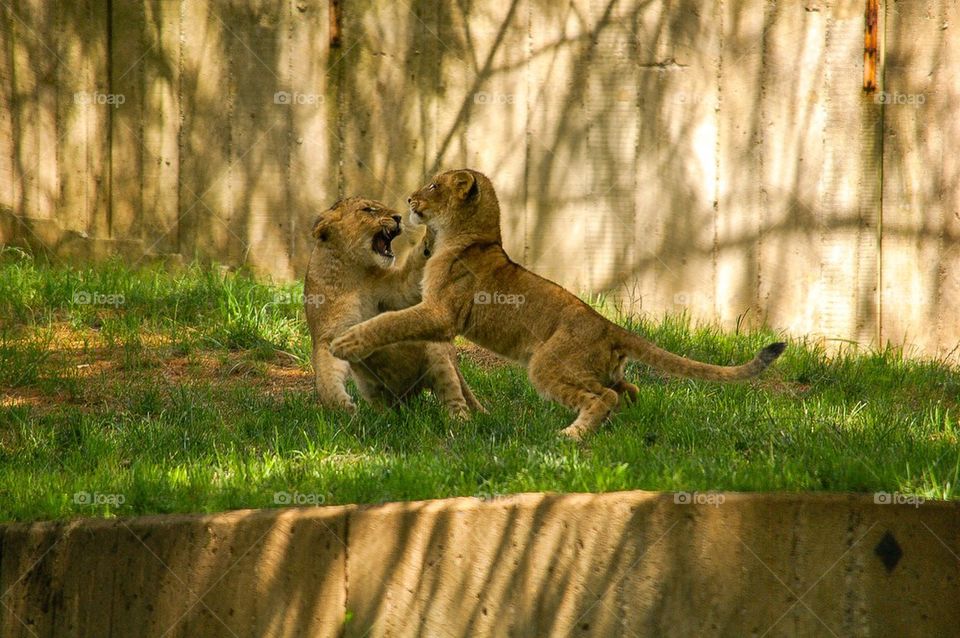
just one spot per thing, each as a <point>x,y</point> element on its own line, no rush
<point>720,158</point>
<point>628,563</point>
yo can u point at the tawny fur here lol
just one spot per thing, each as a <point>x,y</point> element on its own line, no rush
<point>348,282</point>
<point>472,288</point>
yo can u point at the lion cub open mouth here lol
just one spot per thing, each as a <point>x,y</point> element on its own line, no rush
<point>381,242</point>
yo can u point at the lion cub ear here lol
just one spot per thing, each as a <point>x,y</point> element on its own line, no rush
<point>321,223</point>
<point>465,185</point>
<point>321,226</point>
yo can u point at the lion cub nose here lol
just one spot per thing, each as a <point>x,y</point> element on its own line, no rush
<point>397,218</point>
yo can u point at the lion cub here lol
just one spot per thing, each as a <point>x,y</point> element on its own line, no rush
<point>353,275</point>
<point>572,353</point>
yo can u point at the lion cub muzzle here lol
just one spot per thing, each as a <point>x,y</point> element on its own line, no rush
<point>416,211</point>
<point>390,228</point>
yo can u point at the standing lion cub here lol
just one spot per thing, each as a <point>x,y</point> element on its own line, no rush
<point>572,353</point>
<point>353,276</point>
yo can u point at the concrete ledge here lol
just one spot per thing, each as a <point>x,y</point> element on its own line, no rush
<point>245,573</point>
<point>635,563</point>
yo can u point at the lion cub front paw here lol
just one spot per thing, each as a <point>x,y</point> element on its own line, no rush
<point>338,402</point>
<point>348,406</point>
<point>574,432</point>
<point>459,412</point>
<point>348,346</point>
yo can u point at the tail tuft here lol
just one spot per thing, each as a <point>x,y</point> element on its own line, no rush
<point>639,349</point>
<point>769,354</point>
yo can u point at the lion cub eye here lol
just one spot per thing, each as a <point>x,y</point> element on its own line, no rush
<point>371,209</point>
<point>432,187</point>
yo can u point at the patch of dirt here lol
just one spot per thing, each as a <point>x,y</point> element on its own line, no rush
<point>18,397</point>
<point>481,357</point>
<point>86,372</point>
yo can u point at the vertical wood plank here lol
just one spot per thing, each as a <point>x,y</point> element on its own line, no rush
<point>430,34</point>
<point>8,175</point>
<point>678,59</point>
<point>160,153</point>
<point>611,99</point>
<point>380,94</point>
<point>793,113</point>
<point>458,60</point>
<point>128,50</point>
<point>205,145</point>
<point>739,203</point>
<point>558,186</point>
<point>35,123</point>
<point>849,201</point>
<point>86,103</point>
<point>921,192</point>
<point>259,154</point>
<point>493,98</point>
<point>312,176</point>
<point>945,104</point>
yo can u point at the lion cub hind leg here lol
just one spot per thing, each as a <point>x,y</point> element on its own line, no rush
<point>593,407</point>
<point>445,379</point>
<point>472,402</point>
<point>589,398</point>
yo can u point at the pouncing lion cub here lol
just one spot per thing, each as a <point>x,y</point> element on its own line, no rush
<point>572,353</point>
<point>353,275</point>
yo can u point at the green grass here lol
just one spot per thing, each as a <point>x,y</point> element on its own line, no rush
<point>189,391</point>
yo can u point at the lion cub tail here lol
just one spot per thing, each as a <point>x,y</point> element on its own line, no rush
<point>639,349</point>
<point>468,396</point>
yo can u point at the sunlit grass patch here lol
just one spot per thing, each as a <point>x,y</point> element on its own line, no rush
<point>143,390</point>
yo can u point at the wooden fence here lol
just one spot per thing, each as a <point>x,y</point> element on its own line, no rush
<point>720,158</point>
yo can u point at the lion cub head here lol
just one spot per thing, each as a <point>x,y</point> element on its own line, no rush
<point>456,200</point>
<point>363,229</point>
